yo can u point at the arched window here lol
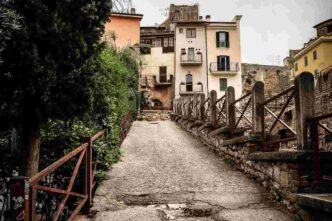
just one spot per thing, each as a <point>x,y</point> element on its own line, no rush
<point>189,82</point>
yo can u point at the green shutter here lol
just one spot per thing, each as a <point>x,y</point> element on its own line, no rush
<point>223,84</point>
<point>227,39</point>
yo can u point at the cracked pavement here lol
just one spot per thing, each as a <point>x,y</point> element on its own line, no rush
<point>167,174</point>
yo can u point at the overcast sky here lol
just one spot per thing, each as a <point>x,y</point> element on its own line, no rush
<point>268,27</point>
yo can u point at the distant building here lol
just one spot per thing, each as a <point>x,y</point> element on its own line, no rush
<point>123,29</point>
<point>316,56</point>
<point>207,57</point>
<point>157,56</point>
<point>276,78</point>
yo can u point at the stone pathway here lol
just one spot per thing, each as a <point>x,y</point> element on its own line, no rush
<point>166,174</point>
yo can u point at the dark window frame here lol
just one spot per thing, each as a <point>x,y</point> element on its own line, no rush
<point>223,63</point>
<point>314,55</point>
<point>306,63</point>
<point>191,33</point>
<point>163,74</point>
<point>189,82</point>
<point>220,43</point>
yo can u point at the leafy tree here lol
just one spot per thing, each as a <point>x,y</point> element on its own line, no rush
<point>45,72</point>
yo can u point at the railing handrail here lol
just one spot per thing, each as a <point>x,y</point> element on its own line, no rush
<point>278,95</point>
<point>241,98</point>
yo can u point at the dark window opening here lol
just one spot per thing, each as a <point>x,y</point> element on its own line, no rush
<point>296,67</point>
<point>222,39</point>
<point>305,61</point>
<point>314,54</point>
<point>191,32</point>
<point>329,28</point>
<point>223,63</point>
<point>163,74</point>
<point>189,82</point>
<point>180,30</point>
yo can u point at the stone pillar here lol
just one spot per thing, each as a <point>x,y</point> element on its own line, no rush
<point>230,109</point>
<point>304,107</point>
<point>258,98</point>
<point>213,108</point>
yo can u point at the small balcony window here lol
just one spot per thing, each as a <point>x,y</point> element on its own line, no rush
<point>223,63</point>
<point>189,82</point>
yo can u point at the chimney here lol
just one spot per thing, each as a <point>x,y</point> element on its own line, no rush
<point>237,18</point>
<point>133,11</point>
<point>201,18</point>
<point>208,18</point>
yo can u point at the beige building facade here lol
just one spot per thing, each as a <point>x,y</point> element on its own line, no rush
<point>224,56</point>
<point>207,57</point>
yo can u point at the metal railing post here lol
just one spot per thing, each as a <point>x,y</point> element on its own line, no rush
<point>20,203</point>
<point>88,176</point>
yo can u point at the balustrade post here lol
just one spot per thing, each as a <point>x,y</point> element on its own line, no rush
<point>304,107</point>
<point>201,107</point>
<point>258,98</point>
<point>20,204</point>
<point>230,109</point>
<point>195,103</point>
<point>88,182</point>
<point>213,108</point>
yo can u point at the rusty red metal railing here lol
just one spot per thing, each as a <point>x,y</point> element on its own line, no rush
<point>31,185</point>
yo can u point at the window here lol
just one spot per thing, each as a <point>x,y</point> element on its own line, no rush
<point>163,74</point>
<point>223,63</point>
<point>223,84</point>
<point>222,39</point>
<point>168,42</point>
<point>305,61</point>
<point>156,42</point>
<point>189,82</point>
<point>183,51</point>
<point>180,30</point>
<point>296,67</point>
<point>314,54</point>
<point>191,32</point>
<point>191,54</point>
<point>329,28</point>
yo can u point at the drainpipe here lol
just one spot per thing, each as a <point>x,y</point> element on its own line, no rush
<point>207,69</point>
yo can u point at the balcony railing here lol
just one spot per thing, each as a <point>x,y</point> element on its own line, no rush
<point>196,59</point>
<point>231,67</point>
<point>190,89</point>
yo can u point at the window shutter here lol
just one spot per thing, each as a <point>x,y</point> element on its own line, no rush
<point>217,39</point>
<point>227,39</point>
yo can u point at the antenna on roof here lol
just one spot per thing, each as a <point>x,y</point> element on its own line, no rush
<point>164,11</point>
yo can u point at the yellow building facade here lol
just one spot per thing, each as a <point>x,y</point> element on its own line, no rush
<point>316,56</point>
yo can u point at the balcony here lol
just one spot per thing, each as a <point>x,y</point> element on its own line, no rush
<point>190,89</point>
<point>193,59</point>
<point>231,68</point>
<point>163,81</point>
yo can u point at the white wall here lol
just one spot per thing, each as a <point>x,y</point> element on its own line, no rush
<point>198,72</point>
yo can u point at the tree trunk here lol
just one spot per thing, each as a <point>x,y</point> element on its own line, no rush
<point>31,144</point>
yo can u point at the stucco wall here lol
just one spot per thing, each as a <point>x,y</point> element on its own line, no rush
<point>127,30</point>
<point>152,62</point>
<point>234,52</point>
<point>199,71</point>
<point>324,58</point>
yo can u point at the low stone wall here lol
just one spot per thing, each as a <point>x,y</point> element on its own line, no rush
<point>283,174</point>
